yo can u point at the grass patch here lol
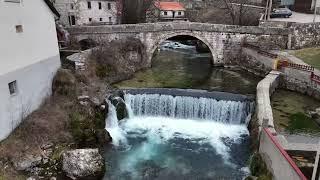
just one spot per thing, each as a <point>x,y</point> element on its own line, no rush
<point>310,56</point>
<point>290,109</point>
<point>299,122</point>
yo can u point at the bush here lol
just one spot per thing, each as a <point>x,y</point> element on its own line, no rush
<point>114,57</point>
<point>85,127</point>
<point>64,83</point>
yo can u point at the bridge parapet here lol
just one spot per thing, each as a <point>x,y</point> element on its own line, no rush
<point>177,26</point>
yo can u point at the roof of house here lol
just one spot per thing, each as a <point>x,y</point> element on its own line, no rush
<point>170,6</point>
<point>52,8</point>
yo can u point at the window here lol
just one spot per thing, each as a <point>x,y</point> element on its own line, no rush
<point>109,6</point>
<point>100,6</point>
<point>19,29</point>
<point>13,1</point>
<point>72,20</point>
<point>90,19</point>
<point>100,19</point>
<point>89,4</point>
<point>165,13</point>
<point>110,19</point>
<point>13,87</point>
<point>71,6</point>
<point>179,13</point>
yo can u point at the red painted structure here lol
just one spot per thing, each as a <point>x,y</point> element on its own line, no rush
<point>285,154</point>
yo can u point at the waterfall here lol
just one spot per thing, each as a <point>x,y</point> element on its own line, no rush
<point>112,126</point>
<point>183,107</point>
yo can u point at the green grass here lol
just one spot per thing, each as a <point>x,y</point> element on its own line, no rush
<point>290,112</point>
<point>310,56</point>
<point>299,122</point>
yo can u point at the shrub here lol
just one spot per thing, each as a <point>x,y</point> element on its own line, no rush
<point>114,57</point>
<point>64,83</point>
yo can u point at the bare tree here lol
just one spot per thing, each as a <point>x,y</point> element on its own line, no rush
<point>134,11</point>
<point>240,12</point>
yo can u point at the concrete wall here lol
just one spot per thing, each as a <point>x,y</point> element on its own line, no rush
<point>254,62</point>
<point>278,161</point>
<point>30,58</point>
<point>265,89</point>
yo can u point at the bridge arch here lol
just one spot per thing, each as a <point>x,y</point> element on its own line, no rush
<point>167,36</point>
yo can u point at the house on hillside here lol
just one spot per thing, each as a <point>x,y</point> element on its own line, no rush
<point>87,12</point>
<point>304,6</point>
<point>29,57</point>
<point>166,11</point>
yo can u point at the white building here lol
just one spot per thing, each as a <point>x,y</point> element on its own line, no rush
<point>29,58</point>
<point>166,11</point>
<point>86,12</point>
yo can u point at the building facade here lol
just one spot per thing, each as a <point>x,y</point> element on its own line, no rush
<point>29,56</point>
<point>166,11</point>
<point>305,6</point>
<point>87,12</point>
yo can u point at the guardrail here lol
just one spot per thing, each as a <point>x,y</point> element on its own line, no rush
<point>315,78</point>
<point>281,164</point>
<point>301,67</point>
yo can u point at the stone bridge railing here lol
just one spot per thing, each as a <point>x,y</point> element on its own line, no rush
<point>177,26</point>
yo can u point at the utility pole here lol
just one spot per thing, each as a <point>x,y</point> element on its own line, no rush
<point>269,9</point>
<point>315,11</point>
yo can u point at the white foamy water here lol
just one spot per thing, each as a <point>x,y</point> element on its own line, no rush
<point>164,134</point>
<point>112,126</point>
<point>161,130</point>
<point>231,112</point>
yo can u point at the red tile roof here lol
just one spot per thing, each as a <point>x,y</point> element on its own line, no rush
<point>170,6</point>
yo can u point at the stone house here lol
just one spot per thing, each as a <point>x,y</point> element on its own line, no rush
<point>87,12</point>
<point>29,56</point>
<point>166,11</point>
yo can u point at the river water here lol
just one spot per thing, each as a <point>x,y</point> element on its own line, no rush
<point>172,137</point>
<point>185,68</point>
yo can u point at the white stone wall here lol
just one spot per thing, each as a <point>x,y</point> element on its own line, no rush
<point>29,57</point>
<point>64,7</point>
<point>95,13</point>
<point>82,13</point>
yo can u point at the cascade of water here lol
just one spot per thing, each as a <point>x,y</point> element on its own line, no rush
<point>233,112</point>
<point>112,126</point>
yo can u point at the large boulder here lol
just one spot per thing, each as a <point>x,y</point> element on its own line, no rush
<point>117,100</point>
<point>83,164</point>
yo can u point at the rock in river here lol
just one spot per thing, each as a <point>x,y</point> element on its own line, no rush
<point>83,164</point>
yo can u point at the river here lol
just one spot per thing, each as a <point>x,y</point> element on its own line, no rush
<point>177,137</point>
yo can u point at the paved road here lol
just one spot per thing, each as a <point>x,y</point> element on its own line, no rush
<point>298,17</point>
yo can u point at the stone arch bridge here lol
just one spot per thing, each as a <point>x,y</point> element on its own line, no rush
<point>224,41</point>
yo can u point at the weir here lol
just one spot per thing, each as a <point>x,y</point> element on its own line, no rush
<point>186,107</point>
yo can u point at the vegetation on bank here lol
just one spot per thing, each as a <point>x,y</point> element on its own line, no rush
<point>310,56</point>
<point>291,112</point>
<point>259,168</point>
<point>61,121</point>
